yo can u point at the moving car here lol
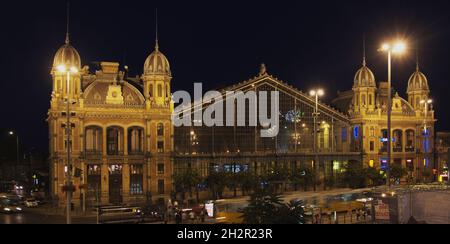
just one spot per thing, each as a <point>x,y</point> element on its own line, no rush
<point>9,206</point>
<point>31,203</point>
<point>111,215</point>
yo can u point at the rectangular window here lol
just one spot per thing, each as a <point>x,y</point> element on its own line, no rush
<point>160,187</point>
<point>136,179</point>
<point>160,169</point>
<point>160,146</point>
<point>372,146</point>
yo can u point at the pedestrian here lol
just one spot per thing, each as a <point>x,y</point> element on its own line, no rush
<point>203,215</point>
<point>178,218</point>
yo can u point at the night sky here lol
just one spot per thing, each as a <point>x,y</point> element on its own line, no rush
<point>305,43</point>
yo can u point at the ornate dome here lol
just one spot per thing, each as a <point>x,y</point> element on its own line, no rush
<point>67,55</point>
<point>418,82</point>
<point>157,63</point>
<point>364,77</point>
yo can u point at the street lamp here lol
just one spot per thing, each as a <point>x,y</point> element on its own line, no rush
<point>316,94</point>
<point>426,104</point>
<point>12,133</point>
<point>69,186</point>
<point>396,48</point>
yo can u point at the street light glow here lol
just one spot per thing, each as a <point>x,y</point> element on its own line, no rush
<point>11,133</point>
<point>319,92</point>
<point>398,48</point>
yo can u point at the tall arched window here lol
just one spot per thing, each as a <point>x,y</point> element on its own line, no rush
<point>363,100</point>
<point>114,142</point>
<point>93,140</point>
<point>160,129</point>
<point>150,90</point>
<point>410,141</point>
<point>135,140</point>
<point>167,91</point>
<point>160,92</point>
<point>370,99</point>
<point>398,140</point>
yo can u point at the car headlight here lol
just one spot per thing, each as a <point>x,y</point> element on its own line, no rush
<point>19,209</point>
<point>7,209</point>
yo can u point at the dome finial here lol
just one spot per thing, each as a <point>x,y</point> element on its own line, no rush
<point>68,23</point>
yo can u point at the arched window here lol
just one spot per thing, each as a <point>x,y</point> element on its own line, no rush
<point>93,140</point>
<point>160,90</point>
<point>167,91</point>
<point>417,102</point>
<point>114,142</point>
<point>370,100</point>
<point>160,129</point>
<point>410,141</point>
<point>135,140</point>
<point>363,99</point>
<point>151,90</point>
<point>398,140</point>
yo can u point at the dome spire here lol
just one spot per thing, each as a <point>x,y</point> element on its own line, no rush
<point>417,56</point>
<point>156,31</point>
<point>364,50</point>
<point>67,23</point>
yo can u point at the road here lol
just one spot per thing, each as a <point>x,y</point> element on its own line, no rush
<point>37,217</point>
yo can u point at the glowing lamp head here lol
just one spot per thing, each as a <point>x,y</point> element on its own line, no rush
<point>312,93</point>
<point>11,133</point>
<point>399,48</point>
<point>320,92</point>
<point>385,47</point>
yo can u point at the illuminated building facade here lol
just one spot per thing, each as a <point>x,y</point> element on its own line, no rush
<point>122,135</point>
<point>412,122</point>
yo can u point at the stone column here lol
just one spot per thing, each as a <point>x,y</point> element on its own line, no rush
<point>126,182</point>
<point>105,183</point>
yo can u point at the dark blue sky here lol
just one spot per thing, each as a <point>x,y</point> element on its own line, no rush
<point>305,43</point>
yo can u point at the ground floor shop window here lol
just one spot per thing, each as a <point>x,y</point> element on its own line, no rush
<point>136,179</point>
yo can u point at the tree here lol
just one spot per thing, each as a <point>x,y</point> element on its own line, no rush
<point>249,182</point>
<point>232,182</point>
<point>374,176</point>
<point>266,207</point>
<point>184,181</point>
<point>427,175</point>
<point>355,175</point>
<point>398,172</point>
<point>305,176</point>
<point>277,177</point>
<point>216,181</point>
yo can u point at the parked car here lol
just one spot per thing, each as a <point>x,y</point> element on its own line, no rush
<point>31,203</point>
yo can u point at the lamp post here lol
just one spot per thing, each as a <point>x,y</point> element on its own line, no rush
<point>69,183</point>
<point>12,133</point>
<point>397,48</point>
<point>426,104</point>
<point>316,94</point>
